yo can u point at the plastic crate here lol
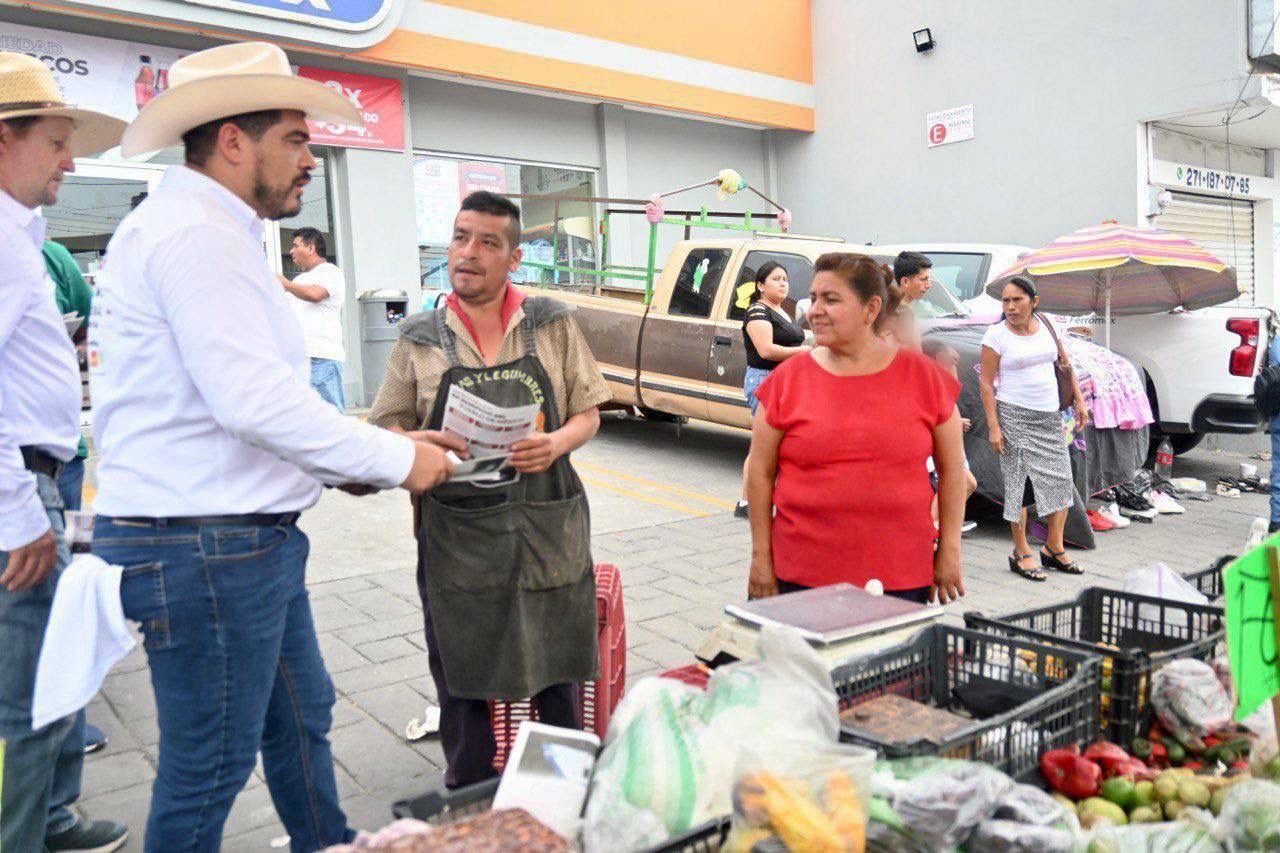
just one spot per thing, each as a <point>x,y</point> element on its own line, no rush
<point>1061,686</point>
<point>443,807</point>
<point>1209,581</point>
<point>596,699</point>
<point>1133,634</point>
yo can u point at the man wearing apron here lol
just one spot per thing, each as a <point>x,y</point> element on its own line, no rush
<point>504,571</point>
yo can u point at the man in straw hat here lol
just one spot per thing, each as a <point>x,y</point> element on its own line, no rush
<point>212,441</point>
<point>39,429</point>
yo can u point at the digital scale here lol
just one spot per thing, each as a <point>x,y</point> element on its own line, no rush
<point>840,621</point>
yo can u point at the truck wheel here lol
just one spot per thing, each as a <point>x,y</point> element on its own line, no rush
<point>662,417</point>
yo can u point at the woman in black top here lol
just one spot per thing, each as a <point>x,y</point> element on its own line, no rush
<point>771,337</point>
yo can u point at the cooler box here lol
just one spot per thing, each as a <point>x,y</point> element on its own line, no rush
<point>597,699</point>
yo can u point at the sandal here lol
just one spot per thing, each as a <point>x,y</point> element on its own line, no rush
<point>1032,574</point>
<point>1053,560</point>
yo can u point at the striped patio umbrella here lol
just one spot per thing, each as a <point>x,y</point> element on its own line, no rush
<point>1122,269</point>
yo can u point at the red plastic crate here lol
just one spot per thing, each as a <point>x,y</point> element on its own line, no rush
<point>597,699</point>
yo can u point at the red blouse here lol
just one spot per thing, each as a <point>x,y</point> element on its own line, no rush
<point>852,494</point>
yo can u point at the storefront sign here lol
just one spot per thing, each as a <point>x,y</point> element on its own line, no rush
<point>380,101</point>
<point>1182,176</point>
<point>1209,179</point>
<point>352,15</point>
<point>116,77</point>
<point>947,126</point>
<point>481,176</point>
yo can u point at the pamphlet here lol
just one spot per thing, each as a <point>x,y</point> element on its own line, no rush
<point>489,431</point>
<point>548,773</point>
<point>73,322</point>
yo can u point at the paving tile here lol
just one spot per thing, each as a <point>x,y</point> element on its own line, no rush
<point>106,773</point>
<point>337,587</point>
<point>380,675</point>
<point>128,805</point>
<point>381,629</point>
<point>130,695</point>
<point>393,705</point>
<point>381,604</point>
<point>375,757</point>
<point>380,651</point>
<point>338,655</point>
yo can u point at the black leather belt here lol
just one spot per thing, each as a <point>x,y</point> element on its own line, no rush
<point>37,461</point>
<point>260,519</point>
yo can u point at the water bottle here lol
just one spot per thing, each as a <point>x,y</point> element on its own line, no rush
<point>1164,459</point>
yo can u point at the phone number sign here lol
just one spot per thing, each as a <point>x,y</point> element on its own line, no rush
<point>947,126</point>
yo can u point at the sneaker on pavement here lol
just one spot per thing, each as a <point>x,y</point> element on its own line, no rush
<point>89,836</point>
<point>968,526</point>
<point>1111,512</point>
<point>741,510</point>
<point>1098,522</point>
<point>1164,503</point>
<point>1146,516</point>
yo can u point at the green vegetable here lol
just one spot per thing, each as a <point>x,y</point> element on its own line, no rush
<point>1173,808</point>
<point>1166,788</point>
<point>1144,794</point>
<point>1097,810</point>
<point>1120,791</point>
<point>1217,799</point>
<point>1146,814</point>
<point>1177,753</point>
<point>1193,793</point>
<point>1141,748</point>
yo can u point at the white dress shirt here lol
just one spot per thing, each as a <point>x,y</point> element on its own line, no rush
<point>322,321</point>
<point>39,378</point>
<point>199,373</point>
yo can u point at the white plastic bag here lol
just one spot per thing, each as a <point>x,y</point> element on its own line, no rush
<point>1160,581</point>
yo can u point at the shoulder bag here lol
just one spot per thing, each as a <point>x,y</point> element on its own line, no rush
<point>1062,369</point>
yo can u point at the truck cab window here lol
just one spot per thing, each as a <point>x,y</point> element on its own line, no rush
<point>799,277</point>
<point>698,282</point>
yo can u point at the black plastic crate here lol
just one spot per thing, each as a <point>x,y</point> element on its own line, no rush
<point>1050,695</point>
<point>442,807</point>
<point>1209,581</point>
<point>1133,634</point>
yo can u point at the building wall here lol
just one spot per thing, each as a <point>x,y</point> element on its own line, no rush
<point>1060,93</point>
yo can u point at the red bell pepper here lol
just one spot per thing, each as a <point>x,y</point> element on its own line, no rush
<point>1159,755</point>
<point>1068,772</point>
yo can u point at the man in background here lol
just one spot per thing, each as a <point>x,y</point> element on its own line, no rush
<point>913,273</point>
<point>319,291</point>
<point>73,295</point>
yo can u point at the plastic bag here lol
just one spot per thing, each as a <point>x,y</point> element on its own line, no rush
<point>1190,700</point>
<point>1028,804</point>
<point>802,797</point>
<point>1250,817</point>
<point>1007,836</point>
<point>1160,581</point>
<point>939,801</point>
<point>671,750</point>
<point>1180,836</point>
<point>1264,755</point>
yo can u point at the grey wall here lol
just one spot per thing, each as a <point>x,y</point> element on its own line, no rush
<point>461,119</point>
<point>1060,91</point>
<point>664,153</point>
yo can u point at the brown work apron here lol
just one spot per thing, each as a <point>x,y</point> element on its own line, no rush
<point>506,569</point>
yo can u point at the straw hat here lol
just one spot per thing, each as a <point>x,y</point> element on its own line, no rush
<point>27,88</point>
<point>225,81</point>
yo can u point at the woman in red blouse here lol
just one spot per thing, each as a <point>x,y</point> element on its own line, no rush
<point>838,450</point>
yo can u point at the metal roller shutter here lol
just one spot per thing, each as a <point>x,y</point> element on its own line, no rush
<point>1224,227</point>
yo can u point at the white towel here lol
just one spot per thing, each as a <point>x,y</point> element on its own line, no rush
<point>87,635</point>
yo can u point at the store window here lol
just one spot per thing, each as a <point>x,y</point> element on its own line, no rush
<point>317,213</point>
<point>698,281</point>
<point>558,234</point>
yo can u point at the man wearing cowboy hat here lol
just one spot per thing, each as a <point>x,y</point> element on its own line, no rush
<point>39,429</point>
<point>212,441</point>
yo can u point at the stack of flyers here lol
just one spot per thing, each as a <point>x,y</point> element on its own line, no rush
<point>489,431</point>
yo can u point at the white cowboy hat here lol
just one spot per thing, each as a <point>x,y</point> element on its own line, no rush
<point>27,88</point>
<point>225,81</point>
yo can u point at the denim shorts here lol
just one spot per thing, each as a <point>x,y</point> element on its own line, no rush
<point>755,375</point>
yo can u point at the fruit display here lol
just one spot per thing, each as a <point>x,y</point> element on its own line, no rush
<point>781,813</point>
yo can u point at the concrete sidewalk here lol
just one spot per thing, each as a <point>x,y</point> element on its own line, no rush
<point>677,577</point>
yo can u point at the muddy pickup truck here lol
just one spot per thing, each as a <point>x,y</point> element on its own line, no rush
<point>682,354</point>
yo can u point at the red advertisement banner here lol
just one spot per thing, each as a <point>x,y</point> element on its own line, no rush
<point>379,99</point>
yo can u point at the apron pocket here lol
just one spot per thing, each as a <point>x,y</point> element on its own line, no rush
<point>469,550</point>
<point>556,548</point>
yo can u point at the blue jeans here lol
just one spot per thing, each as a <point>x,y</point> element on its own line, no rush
<point>1274,427</point>
<point>750,382</point>
<point>41,768</point>
<point>326,378</point>
<point>71,485</point>
<point>235,668</point>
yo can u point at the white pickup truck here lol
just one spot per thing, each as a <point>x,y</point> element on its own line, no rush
<point>1199,365</point>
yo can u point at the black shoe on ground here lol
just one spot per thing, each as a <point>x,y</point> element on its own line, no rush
<point>94,738</point>
<point>1273,527</point>
<point>89,836</point>
<point>740,511</point>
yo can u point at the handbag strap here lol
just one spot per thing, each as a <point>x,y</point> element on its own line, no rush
<point>1062,353</point>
